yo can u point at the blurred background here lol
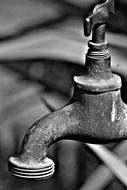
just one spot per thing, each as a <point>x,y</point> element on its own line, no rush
<point>41,47</point>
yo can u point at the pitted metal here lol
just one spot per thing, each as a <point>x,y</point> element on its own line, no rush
<point>95,114</point>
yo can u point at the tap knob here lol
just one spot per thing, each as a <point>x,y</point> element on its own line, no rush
<point>97,21</point>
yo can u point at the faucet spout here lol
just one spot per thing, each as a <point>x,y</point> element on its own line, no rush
<point>43,133</point>
<point>91,118</point>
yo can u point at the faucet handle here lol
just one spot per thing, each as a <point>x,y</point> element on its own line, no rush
<point>99,16</point>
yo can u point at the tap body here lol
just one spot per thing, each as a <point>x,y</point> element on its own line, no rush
<point>89,117</point>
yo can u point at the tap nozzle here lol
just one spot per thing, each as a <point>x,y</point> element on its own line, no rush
<point>36,171</point>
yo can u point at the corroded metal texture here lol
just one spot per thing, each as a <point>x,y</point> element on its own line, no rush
<point>90,118</point>
<point>96,113</point>
<point>99,118</point>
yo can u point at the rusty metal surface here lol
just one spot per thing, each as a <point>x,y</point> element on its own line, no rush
<point>100,119</point>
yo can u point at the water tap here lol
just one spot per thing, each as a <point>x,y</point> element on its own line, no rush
<point>96,113</point>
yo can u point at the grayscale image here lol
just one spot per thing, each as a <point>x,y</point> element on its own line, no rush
<point>63,94</point>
